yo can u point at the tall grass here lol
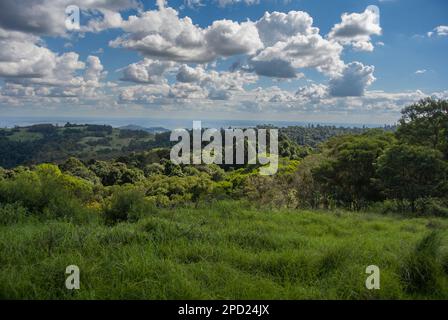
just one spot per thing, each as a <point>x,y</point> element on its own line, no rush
<point>226,250</point>
<point>422,270</point>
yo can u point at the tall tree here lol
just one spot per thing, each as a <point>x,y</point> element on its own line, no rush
<point>426,123</point>
<point>347,175</point>
<point>410,172</point>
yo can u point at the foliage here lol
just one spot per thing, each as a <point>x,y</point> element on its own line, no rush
<point>77,168</point>
<point>426,123</point>
<point>308,190</point>
<point>47,143</point>
<point>411,172</point>
<point>267,191</point>
<point>174,190</point>
<point>153,169</point>
<point>47,191</point>
<point>127,203</point>
<point>346,176</point>
<point>437,207</point>
<point>12,213</point>
<point>112,173</point>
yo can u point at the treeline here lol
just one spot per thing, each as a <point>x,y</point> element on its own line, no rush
<point>44,143</point>
<point>314,135</point>
<point>402,171</point>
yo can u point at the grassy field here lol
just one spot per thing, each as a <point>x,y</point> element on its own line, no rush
<point>228,251</point>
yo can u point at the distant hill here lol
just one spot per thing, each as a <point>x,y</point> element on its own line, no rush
<point>140,128</point>
<point>48,143</point>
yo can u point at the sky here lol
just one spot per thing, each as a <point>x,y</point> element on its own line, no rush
<point>339,61</point>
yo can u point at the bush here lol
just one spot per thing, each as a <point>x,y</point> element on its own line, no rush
<point>153,169</point>
<point>12,214</point>
<point>269,192</point>
<point>46,190</point>
<point>422,207</point>
<point>76,168</point>
<point>431,207</point>
<point>408,172</point>
<point>174,190</point>
<point>70,209</point>
<point>389,207</point>
<point>126,204</point>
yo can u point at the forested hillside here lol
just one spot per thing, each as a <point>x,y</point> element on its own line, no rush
<point>48,143</point>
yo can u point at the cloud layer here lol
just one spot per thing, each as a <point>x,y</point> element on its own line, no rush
<point>184,65</point>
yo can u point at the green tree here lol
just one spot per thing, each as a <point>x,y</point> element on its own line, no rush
<point>171,169</point>
<point>308,190</point>
<point>426,123</point>
<point>346,176</point>
<point>410,172</point>
<point>77,168</point>
<point>112,173</point>
<point>153,169</point>
<point>46,190</point>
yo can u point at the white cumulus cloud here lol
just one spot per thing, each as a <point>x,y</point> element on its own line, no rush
<point>356,29</point>
<point>353,81</point>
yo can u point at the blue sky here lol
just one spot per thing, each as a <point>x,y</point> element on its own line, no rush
<point>306,60</point>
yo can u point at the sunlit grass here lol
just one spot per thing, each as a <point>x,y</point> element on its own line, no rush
<point>227,251</point>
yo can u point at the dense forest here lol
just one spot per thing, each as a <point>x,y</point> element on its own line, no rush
<point>131,193</point>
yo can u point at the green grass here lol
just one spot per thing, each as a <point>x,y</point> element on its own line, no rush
<point>228,251</point>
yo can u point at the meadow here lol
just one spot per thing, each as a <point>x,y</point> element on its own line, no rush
<point>227,250</point>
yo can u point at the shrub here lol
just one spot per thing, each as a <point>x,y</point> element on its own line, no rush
<point>76,168</point>
<point>422,207</point>
<point>389,207</point>
<point>24,187</point>
<point>70,209</point>
<point>12,214</point>
<point>153,169</point>
<point>115,173</point>
<point>46,190</point>
<point>431,207</point>
<point>176,190</point>
<point>191,171</point>
<point>213,170</point>
<point>126,204</point>
<point>408,173</point>
<point>267,191</point>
